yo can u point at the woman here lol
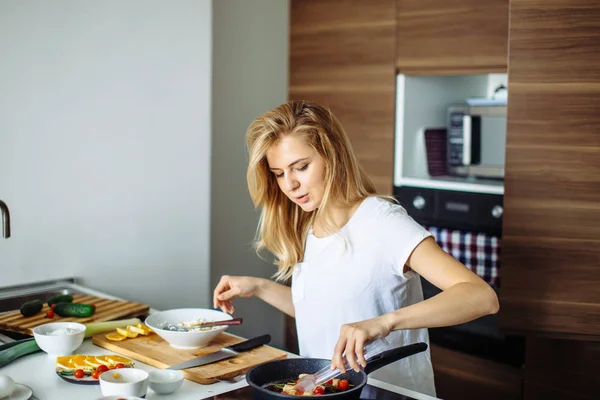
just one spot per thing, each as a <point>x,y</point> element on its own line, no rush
<point>354,257</point>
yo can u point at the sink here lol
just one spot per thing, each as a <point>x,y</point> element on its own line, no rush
<point>12,298</point>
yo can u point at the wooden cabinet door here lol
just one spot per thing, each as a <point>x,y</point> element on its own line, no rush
<point>342,56</point>
<point>447,37</point>
<point>551,227</point>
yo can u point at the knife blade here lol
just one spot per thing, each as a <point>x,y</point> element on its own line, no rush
<point>224,353</point>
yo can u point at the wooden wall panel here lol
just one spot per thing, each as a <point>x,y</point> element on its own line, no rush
<point>551,231</point>
<point>561,369</point>
<point>460,376</point>
<point>342,55</point>
<point>446,37</point>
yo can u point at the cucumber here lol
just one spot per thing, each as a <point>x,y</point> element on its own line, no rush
<point>17,349</point>
<point>74,310</point>
<point>61,298</point>
<point>31,307</point>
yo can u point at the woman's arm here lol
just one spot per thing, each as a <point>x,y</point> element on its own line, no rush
<point>277,295</point>
<point>230,287</point>
<point>464,297</point>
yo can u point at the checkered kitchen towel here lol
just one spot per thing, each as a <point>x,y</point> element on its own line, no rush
<point>478,251</point>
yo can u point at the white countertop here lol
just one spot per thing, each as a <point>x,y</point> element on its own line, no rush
<point>38,372</point>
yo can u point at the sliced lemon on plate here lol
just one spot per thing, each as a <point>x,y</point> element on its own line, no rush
<point>92,362</point>
<point>65,362</point>
<point>115,359</point>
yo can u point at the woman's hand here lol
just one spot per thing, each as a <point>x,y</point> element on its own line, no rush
<point>230,287</point>
<point>352,340</point>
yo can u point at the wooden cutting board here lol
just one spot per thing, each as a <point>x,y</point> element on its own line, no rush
<point>106,310</point>
<point>155,351</point>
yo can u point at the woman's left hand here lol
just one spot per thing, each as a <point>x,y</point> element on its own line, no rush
<point>352,340</point>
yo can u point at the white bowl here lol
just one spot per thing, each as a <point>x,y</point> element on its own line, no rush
<point>165,381</point>
<point>120,397</point>
<point>59,338</point>
<point>124,382</point>
<point>187,340</point>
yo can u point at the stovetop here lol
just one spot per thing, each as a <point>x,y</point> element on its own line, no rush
<point>369,393</point>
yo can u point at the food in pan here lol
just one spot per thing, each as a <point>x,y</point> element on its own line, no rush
<point>288,387</point>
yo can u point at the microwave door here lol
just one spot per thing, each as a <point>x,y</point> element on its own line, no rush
<point>471,140</point>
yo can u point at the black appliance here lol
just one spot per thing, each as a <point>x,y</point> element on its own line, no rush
<point>479,212</point>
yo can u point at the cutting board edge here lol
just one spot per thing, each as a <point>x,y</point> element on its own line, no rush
<point>231,375</point>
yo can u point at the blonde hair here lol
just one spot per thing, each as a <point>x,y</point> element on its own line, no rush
<point>283,225</point>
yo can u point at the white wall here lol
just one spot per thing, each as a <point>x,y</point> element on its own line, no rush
<point>250,77</point>
<point>105,145</point>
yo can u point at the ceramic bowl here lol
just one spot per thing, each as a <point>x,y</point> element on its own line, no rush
<point>187,340</point>
<point>59,338</point>
<point>165,381</point>
<point>124,382</point>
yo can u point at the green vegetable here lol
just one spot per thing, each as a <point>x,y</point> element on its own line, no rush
<point>31,308</point>
<point>61,298</point>
<point>108,326</point>
<point>71,372</point>
<point>74,310</point>
<point>14,350</point>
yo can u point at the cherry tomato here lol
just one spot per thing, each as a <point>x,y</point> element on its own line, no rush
<point>299,392</point>
<point>102,368</point>
<point>343,384</point>
<point>95,374</point>
<point>319,390</point>
<point>78,373</point>
<point>120,365</point>
<point>52,306</point>
<point>329,382</point>
<point>49,314</point>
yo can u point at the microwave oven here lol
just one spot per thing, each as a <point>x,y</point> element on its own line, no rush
<point>476,141</point>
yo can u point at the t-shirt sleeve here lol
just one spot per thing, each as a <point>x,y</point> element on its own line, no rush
<point>402,234</point>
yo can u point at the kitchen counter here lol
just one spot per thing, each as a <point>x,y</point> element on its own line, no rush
<point>38,372</point>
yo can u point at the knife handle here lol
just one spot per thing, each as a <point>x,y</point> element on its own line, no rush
<point>250,344</point>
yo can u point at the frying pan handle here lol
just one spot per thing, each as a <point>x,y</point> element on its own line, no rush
<point>389,356</point>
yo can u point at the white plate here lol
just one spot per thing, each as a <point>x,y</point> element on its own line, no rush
<point>21,392</point>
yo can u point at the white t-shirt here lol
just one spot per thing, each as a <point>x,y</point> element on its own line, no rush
<point>357,274</point>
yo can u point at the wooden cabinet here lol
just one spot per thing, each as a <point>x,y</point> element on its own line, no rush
<point>342,56</point>
<point>448,37</point>
<point>551,234</point>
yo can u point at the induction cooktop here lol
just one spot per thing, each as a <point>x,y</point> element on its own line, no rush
<point>369,393</point>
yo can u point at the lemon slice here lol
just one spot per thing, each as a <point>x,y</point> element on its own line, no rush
<point>115,336</point>
<point>91,361</point>
<point>79,361</point>
<point>144,327</point>
<point>122,331</point>
<point>102,360</point>
<point>115,359</point>
<point>140,331</point>
<point>65,362</point>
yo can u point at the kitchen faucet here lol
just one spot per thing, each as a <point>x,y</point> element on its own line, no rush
<point>5,220</point>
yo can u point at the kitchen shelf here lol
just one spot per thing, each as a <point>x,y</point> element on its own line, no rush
<point>456,184</point>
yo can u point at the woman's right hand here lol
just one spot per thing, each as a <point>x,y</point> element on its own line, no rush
<point>230,287</point>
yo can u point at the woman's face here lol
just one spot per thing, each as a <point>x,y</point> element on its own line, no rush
<point>299,170</point>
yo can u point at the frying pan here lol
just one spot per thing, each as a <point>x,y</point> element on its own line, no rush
<point>289,369</point>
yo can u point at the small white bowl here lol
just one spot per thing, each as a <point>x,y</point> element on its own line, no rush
<point>124,382</point>
<point>59,338</point>
<point>187,340</point>
<point>165,381</point>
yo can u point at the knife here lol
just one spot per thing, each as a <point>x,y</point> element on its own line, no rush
<point>224,353</point>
